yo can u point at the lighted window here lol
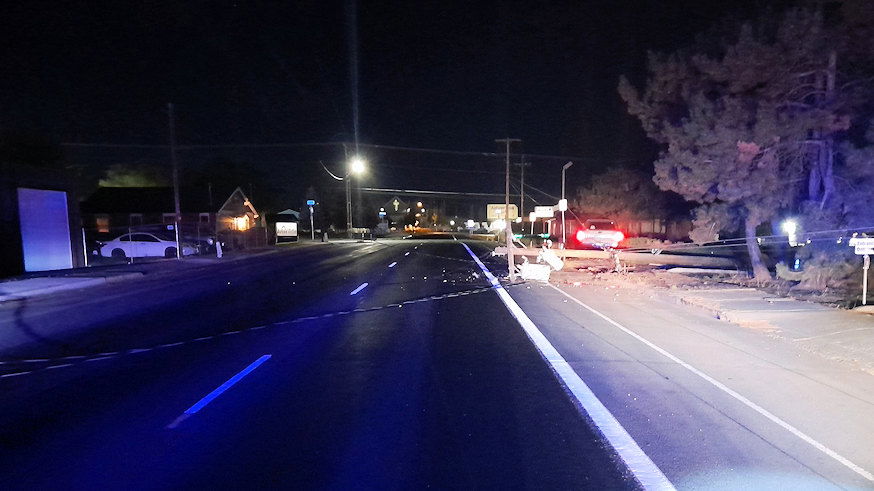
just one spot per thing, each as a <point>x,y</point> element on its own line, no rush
<point>102,223</point>
<point>241,223</point>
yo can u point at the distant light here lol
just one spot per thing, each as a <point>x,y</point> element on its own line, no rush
<point>357,165</point>
<point>498,224</point>
<point>382,209</point>
<point>451,223</point>
<point>418,204</point>
<point>518,219</point>
<point>789,226</point>
<point>471,224</point>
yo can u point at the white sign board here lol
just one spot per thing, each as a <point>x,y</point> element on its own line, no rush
<point>562,205</point>
<point>862,242</point>
<point>864,245</point>
<point>496,212</point>
<point>286,229</point>
<point>544,212</point>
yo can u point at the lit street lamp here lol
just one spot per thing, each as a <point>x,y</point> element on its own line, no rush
<point>356,165</point>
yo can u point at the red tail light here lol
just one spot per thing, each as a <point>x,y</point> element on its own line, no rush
<point>581,234</point>
<point>619,236</point>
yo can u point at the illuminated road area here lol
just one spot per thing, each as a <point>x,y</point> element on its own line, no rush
<point>343,366</point>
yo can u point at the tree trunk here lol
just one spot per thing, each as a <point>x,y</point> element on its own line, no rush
<point>760,271</point>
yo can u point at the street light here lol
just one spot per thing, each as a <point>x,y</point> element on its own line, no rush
<point>563,203</point>
<point>355,165</point>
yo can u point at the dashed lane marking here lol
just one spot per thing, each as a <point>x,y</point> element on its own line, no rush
<point>217,392</point>
<point>392,264</point>
<point>78,359</point>
<point>360,287</point>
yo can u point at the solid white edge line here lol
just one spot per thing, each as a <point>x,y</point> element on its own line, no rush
<point>637,462</point>
<point>360,287</point>
<point>752,405</point>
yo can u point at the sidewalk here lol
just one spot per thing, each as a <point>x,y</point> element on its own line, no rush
<point>841,335</point>
<point>46,282</point>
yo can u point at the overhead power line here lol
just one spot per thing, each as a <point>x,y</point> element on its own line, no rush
<point>340,143</point>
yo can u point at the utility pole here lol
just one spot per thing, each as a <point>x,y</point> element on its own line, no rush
<point>522,165</point>
<point>175,162</point>
<point>509,228</point>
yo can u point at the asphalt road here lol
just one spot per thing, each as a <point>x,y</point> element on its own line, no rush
<point>714,405</point>
<point>365,366</point>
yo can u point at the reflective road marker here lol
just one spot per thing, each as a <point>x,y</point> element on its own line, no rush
<point>217,392</point>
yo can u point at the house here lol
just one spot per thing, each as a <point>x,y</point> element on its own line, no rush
<point>205,212</point>
<point>39,221</point>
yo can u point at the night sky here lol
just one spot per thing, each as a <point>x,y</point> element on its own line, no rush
<point>447,75</point>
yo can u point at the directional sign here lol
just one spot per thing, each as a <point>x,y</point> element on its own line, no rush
<point>544,211</point>
<point>311,202</point>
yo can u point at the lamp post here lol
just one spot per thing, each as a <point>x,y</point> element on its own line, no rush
<point>356,165</point>
<point>563,203</point>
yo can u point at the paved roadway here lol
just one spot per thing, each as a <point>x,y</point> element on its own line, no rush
<point>399,383</point>
<point>713,404</point>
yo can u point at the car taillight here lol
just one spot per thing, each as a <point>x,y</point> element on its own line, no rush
<point>618,236</point>
<point>581,234</point>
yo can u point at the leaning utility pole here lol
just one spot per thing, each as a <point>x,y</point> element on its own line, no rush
<point>522,165</point>
<point>175,162</point>
<point>509,228</point>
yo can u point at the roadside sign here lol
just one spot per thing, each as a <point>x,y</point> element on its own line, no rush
<point>562,205</point>
<point>544,211</point>
<point>286,229</point>
<point>864,245</point>
<point>496,212</point>
<point>311,202</point>
<point>861,242</point>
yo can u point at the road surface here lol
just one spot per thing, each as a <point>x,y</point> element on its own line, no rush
<point>366,366</point>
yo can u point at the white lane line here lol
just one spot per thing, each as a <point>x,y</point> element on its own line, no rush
<point>637,462</point>
<point>719,385</point>
<point>360,287</point>
<point>392,264</point>
<point>407,253</point>
<point>218,391</point>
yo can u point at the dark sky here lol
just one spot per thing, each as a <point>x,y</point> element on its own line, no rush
<point>441,74</point>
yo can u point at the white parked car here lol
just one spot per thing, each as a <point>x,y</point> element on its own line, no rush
<point>142,244</point>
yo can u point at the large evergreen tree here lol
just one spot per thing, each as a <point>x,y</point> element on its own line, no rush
<point>751,124</point>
